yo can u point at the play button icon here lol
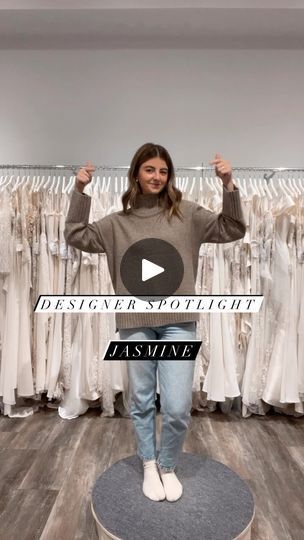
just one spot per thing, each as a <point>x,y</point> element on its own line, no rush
<point>152,267</point>
<point>149,270</point>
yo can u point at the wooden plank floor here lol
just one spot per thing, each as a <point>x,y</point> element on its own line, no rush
<point>48,467</point>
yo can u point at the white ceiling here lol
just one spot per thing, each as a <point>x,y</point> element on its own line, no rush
<point>145,24</point>
<point>148,4</point>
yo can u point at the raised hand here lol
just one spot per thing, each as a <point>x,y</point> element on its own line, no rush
<point>223,169</point>
<point>84,176</point>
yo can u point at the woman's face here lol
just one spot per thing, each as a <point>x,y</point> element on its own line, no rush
<point>153,175</point>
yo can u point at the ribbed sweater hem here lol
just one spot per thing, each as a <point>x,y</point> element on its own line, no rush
<point>139,320</point>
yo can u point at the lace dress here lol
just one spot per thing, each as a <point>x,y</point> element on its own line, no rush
<point>300,324</point>
<point>16,366</point>
<point>42,320</point>
<point>281,381</point>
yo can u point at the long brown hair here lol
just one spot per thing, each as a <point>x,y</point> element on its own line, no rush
<point>170,197</point>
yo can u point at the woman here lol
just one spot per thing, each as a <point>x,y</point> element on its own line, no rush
<point>153,207</point>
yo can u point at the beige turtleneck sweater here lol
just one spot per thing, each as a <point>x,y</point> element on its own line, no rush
<point>116,232</point>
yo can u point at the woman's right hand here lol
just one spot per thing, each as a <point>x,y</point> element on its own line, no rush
<point>84,176</point>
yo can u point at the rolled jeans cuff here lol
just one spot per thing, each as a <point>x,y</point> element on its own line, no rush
<point>165,469</point>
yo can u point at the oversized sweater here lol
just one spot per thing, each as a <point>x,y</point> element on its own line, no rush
<point>116,232</point>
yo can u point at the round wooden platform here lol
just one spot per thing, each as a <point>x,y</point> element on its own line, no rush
<point>216,503</point>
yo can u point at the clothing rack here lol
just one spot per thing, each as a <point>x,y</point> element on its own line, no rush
<point>74,168</point>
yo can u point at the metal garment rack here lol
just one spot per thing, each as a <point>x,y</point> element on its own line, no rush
<point>110,168</point>
<point>74,168</point>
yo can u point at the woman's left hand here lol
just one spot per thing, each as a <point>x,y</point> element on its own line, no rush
<point>223,169</point>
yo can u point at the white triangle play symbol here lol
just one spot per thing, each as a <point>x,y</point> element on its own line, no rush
<point>149,270</point>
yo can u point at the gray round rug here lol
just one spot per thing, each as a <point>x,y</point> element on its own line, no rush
<point>216,503</point>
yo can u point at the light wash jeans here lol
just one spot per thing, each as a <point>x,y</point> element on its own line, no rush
<point>175,381</point>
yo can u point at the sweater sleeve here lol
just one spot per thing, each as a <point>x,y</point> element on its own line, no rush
<point>225,227</point>
<point>78,232</point>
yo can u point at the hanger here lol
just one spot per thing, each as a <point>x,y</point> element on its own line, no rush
<point>95,185</point>
<point>292,188</point>
<point>109,183</point>
<point>238,185</point>
<point>7,181</point>
<point>296,186</point>
<point>251,188</point>
<point>65,187</point>
<point>210,186</point>
<point>35,181</point>
<point>71,185</point>
<point>244,186</point>
<point>58,183</point>
<point>25,181</point>
<point>288,196</point>
<point>196,188</point>
<point>17,183</point>
<point>185,184</point>
<point>300,185</point>
<point>47,182</point>
<point>218,188</point>
<point>287,187</point>
<point>92,183</point>
<point>102,187</point>
<point>105,187</point>
<point>283,187</point>
<point>201,184</point>
<point>63,184</point>
<point>271,184</point>
<point>38,187</point>
<point>255,186</point>
<point>52,185</point>
<point>266,188</point>
<point>122,179</point>
<point>260,186</point>
<point>192,186</point>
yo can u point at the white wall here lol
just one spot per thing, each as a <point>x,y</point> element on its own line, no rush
<point>69,106</point>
